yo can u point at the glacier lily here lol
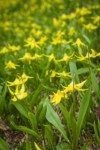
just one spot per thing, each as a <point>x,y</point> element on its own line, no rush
<point>19,93</point>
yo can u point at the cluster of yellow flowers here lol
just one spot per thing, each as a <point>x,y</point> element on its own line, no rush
<point>10,65</point>
<point>51,57</point>
<point>62,74</point>
<point>19,92</point>
<point>64,93</point>
<point>88,56</point>
<point>9,48</point>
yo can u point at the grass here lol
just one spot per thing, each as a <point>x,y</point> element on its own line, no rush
<point>49,75</point>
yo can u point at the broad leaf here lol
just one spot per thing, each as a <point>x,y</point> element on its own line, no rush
<point>54,119</point>
<point>21,109</point>
<point>3,145</point>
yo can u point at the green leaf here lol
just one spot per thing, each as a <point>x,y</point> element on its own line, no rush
<point>36,94</point>
<point>72,121</point>
<point>73,70</point>
<point>81,115</point>
<point>95,84</point>
<point>28,145</point>
<point>3,145</point>
<point>82,70</point>
<point>38,110</point>
<point>25,129</point>
<point>63,146</point>
<point>66,116</point>
<point>3,103</point>
<point>97,134</point>
<point>85,147</point>
<point>86,38</point>
<point>42,114</point>
<point>50,136</point>
<point>20,107</point>
<point>33,120</point>
<point>54,119</point>
<point>99,127</point>
<point>4,91</point>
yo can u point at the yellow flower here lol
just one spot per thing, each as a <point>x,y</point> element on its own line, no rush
<point>57,97</point>
<point>6,25</point>
<point>51,57</point>
<point>81,19</point>
<point>95,6</point>
<point>90,26</point>
<point>19,93</point>
<point>11,65</point>
<point>53,74</point>
<point>59,34</point>
<point>98,69</point>
<point>63,24</point>
<point>72,86</point>
<point>15,82</point>
<point>55,22</point>
<point>32,43</point>
<point>27,56</point>
<point>83,11</point>
<point>79,43</point>
<point>37,33</point>
<point>19,80</point>
<point>66,58</point>
<point>81,58</point>
<point>56,41</point>
<point>37,147</point>
<point>94,54</point>
<point>64,74</point>
<point>79,86</point>
<point>13,47</point>
<point>96,20</point>
<point>71,16</point>
<point>42,40</point>
<point>72,31</point>
<point>24,77</point>
<point>64,16</point>
<point>88,55</point>
<point>64,93</point>
<point>4,50</point>
<point>36,56</point>
<point>69,88</point>
<point>47,30</point>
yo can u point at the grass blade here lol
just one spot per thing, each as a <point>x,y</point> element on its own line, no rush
<point>82,112</point>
